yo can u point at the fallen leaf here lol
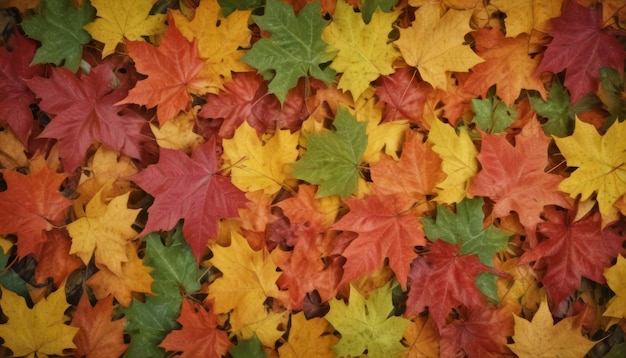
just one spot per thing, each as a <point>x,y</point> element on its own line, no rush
<point>599,162</point>
<point>199,335</point>
<point>528,15</point>
<point>422,338</point>
<point>435,44</point>
<point>38,330</point>
<point>99,335</point>
<point>169,181</point>
<point>363,50</point>
<point>119,21</point>
<point>616,307</point>
<point>104,232</point>
<point>402,96</point>
<point>294,50</point>
<point>308,338</point>
<point>540,338</point>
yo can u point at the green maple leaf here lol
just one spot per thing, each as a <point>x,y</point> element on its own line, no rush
<point>295,49</point>
<point>174,265</point>
<point>10,279</point>
<point>59,28</point>
<point>557,111</point>
<point>612,95</point>
<point>368,7</point>
<point>148,324</point>
<point>367,324</point>
<point>249,348</point>
<point>229,6</point>
<point>466,227</point>
<point>492,115</point>
<point>332,157</point>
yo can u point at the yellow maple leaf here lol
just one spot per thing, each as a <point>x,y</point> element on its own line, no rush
<point>308,338</point>
<point>523,16</point>
<point>39,331</point>
<point>458,155</point>
<point>520,291</point>
<point>540,338</point>
<point>600,165</point>
<point>104,232</point>
<point>120,19</point>
<point>220,40</point>
<point>177,133</point>
<point>249,278</point>
<point>617,282</point>
<point>258,165</point>
<point>135,277</point>
<point>12,151</point>
<point>107,170</point>
<point>364,50</point>
<point>435,44</point>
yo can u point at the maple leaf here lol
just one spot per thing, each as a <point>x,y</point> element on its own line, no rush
<point>458,156</point>
<point>294,50</point>
<point>54,259</point>
<point>514,177</point>
<point>149,322</point>
<point>255,275</point>
<point>363,50</point>
<point>12,150</point>
<point>443,280</point>
<point>174,265</point>
<point>135,278</point>
<point>435,44</point>
<point>520,290</point>
<point>85,111</point>
<point>15,97</point>
<point>304,209</point>
<point>465,227</point>
<point>422,338</point>
<point>199,335</point>
<point>367,324</point>
<point>221,40</point>
<point>478,332</point>
<point>104,232</point>
<point>32,205</point>
<point>248,348</point>
<point>308,338</point>
<point>257,164</point>
<point>540,338</point>
<point>402,96</point>
<point>332,158</point>
<point>413,176</point>
<point>173,70</point>
<point>192,189</point>
<point>492,115</point>
<point>507,64</point>
<point>528,15</point>
<point>9,278</point>
<point>59,28</point>
<point>121,20</point>
<point>38,330</point>
<point>612,94</point>
<point>599,162</point>
<point>178,133</point>
<point>99,336</point>
<point>616,307</point>
<point>386,228</point>
<point>596,47</point>
<point>573,250</point>
<point>557,110</point>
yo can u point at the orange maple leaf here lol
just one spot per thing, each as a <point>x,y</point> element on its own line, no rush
<point>98,337</point>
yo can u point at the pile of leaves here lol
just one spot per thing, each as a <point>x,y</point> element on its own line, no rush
<point>244,178</point>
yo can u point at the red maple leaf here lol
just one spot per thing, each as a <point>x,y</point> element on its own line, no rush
<point>386,228</point>
<point>443,280</point>
<point>246,99</point>
<point>172,69</point>
<point>54,259</point>
<point>98,335</point>
<point>85,111</point>
<point>402,96</point>
<point>191,189</point>
<point>514,176</point>
<point>572,250</point>
<point>594,48</point>
<point>32,205</point>
<point>15,97</point>
<point>478,332</point>
<point>199,335</point>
